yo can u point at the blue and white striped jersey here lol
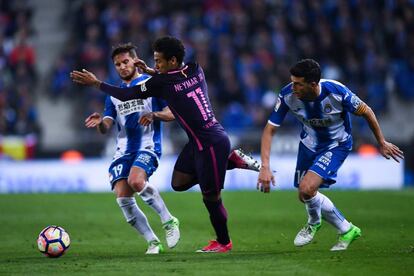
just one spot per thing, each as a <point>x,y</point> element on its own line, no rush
<point>131,135</point>
<point>326,120</point>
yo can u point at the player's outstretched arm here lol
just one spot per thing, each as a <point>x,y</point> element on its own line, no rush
<point>265,175</point>
<point>387,149</point>
<point>164,115</point>
<point>85,77</point>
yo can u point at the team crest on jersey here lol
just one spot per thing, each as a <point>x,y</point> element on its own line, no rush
<point>327,108</point>
<point>277,105</point>
<point>328,154</point>
<point>355,101</point>
<point>143,87</point>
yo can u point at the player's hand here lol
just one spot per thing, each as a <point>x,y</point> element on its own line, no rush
<point>93,120</point>
<point>85,77</point>
<point>142,66</point>
<point>389,150</point>
<point>146,119</point>
<point>265,178</point>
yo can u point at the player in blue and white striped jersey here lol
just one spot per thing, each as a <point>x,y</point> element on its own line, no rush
<point>138,150</point>
<point>323,107</point>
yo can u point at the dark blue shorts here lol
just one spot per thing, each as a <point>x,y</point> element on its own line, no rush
<point>120,167</point>
<point>324,163</point>
<point>208,166</point>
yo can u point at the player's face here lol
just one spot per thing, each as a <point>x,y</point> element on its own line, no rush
<point>303,90</point>
<point>163,65</point>
<point>124,65</point>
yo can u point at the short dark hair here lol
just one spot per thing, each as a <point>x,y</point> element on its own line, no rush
<point>124,48</point>
<point>170,47</point>
<point>309,69</point>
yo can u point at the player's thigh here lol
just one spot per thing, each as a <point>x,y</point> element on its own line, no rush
<point>304,161</point>
<point>328,162</point>
<point>122,189</point>
<point>144,166</point>
<point>184,172</point>
<point>119,169</point>
<point>211,167</point>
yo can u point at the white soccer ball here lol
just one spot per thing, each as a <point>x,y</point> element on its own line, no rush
<point>53,241</point>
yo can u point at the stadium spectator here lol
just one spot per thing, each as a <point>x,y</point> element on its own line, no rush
<point>18,115</point>
<point>257,40</point>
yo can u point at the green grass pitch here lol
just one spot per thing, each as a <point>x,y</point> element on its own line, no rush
<point>262,227</point>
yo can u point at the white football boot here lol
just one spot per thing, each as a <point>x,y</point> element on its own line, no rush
<point>154,247</point>
<point>172,232</point>
<point>306,234</point>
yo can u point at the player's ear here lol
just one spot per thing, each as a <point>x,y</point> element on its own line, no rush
<point>173,61</point>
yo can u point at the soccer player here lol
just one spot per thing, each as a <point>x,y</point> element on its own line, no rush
<point>138,150</point>
<point>205,158</point>
<point>323,107</point>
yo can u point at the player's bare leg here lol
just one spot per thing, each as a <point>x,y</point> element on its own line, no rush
<point>183,181</point>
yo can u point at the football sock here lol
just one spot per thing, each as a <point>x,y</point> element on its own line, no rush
<point>136,217</point>
<point>151,196</point>
<point>313,207</point>
<point>333,216</point>
<point>218,218</point>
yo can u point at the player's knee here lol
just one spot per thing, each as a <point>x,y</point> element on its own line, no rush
<point>306,191</point>
<point>213,196</point>
<point>137,184</point>
<point>176,186</point>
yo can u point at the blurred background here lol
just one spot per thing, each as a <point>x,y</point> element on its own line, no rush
<point>245,47</point>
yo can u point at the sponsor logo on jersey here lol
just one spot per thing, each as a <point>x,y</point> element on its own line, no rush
<point>129,107</point>
<point>324,160</point>
<point>144,159</point>
<point>317,122</point>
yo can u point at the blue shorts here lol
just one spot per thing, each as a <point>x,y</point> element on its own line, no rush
<point>324,163</point>
<point>207,166</point>
<point>120,167</point>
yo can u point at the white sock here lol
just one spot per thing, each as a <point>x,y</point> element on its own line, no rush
<point>333,216</point>
<point>313,207</point>
<point>136,217</point>
<point>151,196</point>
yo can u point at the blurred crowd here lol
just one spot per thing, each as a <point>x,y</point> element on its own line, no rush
<point>18,115</point>
<point>245,47</point>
